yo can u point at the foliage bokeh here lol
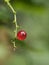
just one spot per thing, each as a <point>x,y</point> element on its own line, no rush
<point>33,17</point>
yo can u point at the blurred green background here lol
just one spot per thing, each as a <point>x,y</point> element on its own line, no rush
<point>33,17</point>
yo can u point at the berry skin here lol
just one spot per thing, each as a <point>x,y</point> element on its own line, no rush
<point>21,35</point>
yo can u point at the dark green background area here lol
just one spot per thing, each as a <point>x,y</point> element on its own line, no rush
<point>33,17</point>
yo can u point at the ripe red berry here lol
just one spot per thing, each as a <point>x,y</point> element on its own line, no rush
<point>21,35</point>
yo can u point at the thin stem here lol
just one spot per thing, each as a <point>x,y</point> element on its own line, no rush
<point>14,12</point>
<point>15,25</point>
<point>11,7</point>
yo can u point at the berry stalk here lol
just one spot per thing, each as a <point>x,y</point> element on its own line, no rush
<point>14,21</point>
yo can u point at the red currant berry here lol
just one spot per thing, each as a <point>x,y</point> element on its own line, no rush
<point>21,35</point>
